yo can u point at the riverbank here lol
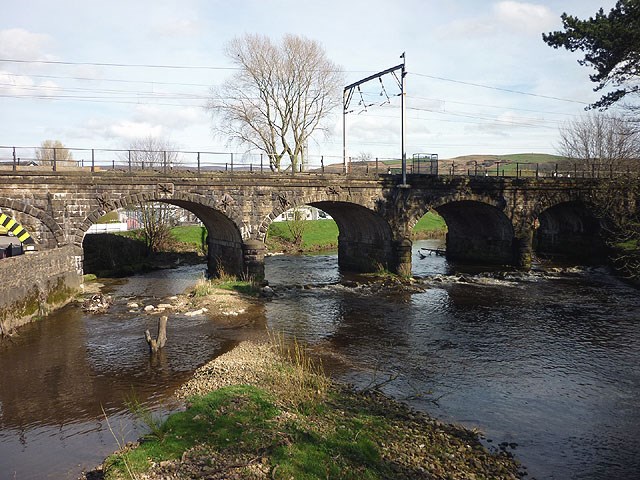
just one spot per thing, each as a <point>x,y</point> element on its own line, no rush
<point>266,410</point>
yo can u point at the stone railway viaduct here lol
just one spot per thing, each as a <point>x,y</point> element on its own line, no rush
<point>494,220</point>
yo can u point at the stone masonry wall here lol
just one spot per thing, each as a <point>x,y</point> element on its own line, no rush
<point>36,283</point>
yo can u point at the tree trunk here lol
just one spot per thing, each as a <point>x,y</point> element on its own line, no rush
<point>161,340</point>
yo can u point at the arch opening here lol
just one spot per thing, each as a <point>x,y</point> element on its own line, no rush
<point>34,228</point>
<point>363,238</point>
<point>569,231</point>
<point>220,238</point>
<point>477,233</point>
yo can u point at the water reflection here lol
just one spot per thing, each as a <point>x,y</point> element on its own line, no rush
<point>58,375</point>
<point>545,361</point>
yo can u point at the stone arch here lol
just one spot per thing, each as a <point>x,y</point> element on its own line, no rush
<point>478,229</point>
<point>366,241</point>
<point>569,230</point>
<point>224,239</point>
<point>50,235</point>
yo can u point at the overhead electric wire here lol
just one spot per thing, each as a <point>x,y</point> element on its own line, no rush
<point>124,65</point>
<point>500,88</point>
<point>119,80</point>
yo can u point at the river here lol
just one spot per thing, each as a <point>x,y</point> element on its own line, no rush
<point>545,364</point>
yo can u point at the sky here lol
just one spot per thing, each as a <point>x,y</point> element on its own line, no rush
<point>480,80</point>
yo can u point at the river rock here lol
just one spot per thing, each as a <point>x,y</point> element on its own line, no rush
<point>267,292</point>
<point>97,303</point>
<point>149,308</point>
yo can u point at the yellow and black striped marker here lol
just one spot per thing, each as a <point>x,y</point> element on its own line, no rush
<point>9,225</point>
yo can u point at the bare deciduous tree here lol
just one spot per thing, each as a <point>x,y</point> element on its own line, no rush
<point>156,218</point>
<point>281,95</point>
<point>611,143</point>
<point>152,152</point>
<point>601,141</point>
<point>50,150</point>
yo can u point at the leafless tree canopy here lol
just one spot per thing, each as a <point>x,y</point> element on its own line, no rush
<point>602,141</point>
<point>611,143</point>
<point>45,154</point>
<point>152,152</point>
<point>280,96</point>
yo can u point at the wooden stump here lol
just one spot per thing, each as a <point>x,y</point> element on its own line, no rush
<point>159,342</point>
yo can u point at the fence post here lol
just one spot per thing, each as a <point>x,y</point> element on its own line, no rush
<point>54,159</point>
<point>377,166</point>
<point>517,170</point>
<point>129,155</point>
<point>497,169</point>
<point>232,163</point>
<point>164,159</point>
<point>113,164</point>
<point>93,160</point>
<point>14,159</point>
<point>555,172</point>
<point>198,163</point>
<point>261,167</point>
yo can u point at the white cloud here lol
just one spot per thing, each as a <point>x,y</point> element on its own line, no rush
<point>24,86</point>
<point>128,130</point>
<point>177,28</point>
<point>520,17</point>
<point>176,118</point>
<point>17,43</point>
<point>529,17</point>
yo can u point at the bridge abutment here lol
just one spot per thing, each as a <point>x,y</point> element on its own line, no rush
<point>253,260</point>
<point>523,249</point>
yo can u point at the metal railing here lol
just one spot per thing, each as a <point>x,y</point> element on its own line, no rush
<point>37,159</point>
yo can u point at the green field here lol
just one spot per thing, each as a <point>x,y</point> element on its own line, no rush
<point>318,234</point>
<point>429,223</point>
<point>190,234</point>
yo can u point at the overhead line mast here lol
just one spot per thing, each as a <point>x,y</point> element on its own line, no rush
<point>347,96</point>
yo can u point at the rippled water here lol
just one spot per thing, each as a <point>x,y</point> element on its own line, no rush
<point>547,361</point>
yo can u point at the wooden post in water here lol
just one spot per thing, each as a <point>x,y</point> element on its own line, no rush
<point>161,340</point>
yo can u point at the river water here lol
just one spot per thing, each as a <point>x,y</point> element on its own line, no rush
<point>545,364</point>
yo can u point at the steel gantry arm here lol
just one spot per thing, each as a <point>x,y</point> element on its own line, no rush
<point>347,96</point>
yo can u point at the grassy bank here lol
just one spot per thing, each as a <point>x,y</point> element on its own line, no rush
<point>125,254</point>
<point>266,411</point>
<point>323,234</point>
<point>430,225</point>
<point>318,235</point>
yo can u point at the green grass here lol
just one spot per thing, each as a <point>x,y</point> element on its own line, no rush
<point>294,423</point>
<point>429,222</point>
<point>223,419</point>
<point>629,245</point>
<point>318,234</point>
<point>109,217</point>
<point>195,234</point>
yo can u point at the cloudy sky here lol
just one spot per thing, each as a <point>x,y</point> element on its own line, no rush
<point>480,78</point>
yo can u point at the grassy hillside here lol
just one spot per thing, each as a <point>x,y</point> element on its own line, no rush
<point>465,162</point>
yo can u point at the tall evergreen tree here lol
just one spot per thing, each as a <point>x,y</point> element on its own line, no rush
<point>611,44</point>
